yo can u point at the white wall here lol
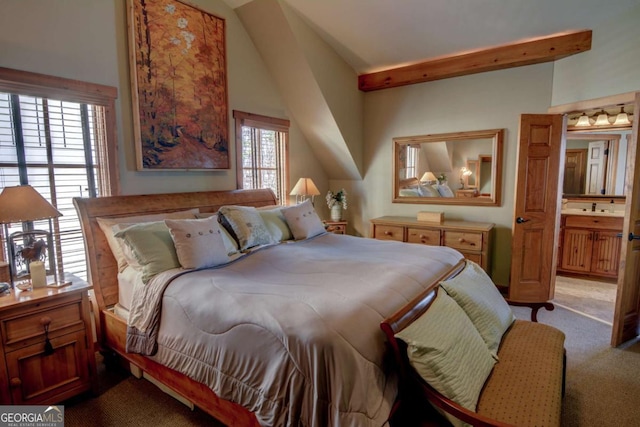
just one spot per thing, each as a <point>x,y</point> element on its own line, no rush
<point>87,40</point>
<point>482,101</point>
<point>611,67</point>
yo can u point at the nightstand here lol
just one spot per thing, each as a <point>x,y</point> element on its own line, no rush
<point>32,374</point>
<point>336,227</point>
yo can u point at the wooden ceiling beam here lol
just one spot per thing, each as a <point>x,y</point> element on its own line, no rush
<point>528,52</point>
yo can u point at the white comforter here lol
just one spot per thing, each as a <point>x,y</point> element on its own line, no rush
<point>291,332</point>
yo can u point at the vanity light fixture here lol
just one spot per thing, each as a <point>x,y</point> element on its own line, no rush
<point>583,120</point>
<point>603,119</point>
<point>622,119</point>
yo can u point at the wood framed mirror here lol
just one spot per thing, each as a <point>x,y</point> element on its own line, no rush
<point>459,168</point>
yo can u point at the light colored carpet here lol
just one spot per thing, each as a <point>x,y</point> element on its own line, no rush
<point>588,297</point>
<point>603,383</point>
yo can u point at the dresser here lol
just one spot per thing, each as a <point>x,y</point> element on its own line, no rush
<point>473,239</point>
<point>46,353</point>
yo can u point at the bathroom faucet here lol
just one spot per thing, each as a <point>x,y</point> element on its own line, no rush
<point>593,207</point>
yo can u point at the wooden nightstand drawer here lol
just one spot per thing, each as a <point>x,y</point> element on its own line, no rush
<point>464,241</point>
<point>389,232</point>
<point>29,325</point>
<point>336,227</point>
<point>426,237</point>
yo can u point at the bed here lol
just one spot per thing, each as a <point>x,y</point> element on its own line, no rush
<point>288,334</point>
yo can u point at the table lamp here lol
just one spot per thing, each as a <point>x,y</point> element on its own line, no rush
<point>23,203</point>
<point>304,188</point>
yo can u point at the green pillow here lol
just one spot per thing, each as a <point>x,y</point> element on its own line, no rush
<point>152,246</point>
<point>275,223</point>
<point>478,296</point>
<point>447,351</point>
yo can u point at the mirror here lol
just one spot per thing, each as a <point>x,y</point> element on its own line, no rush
<point>595,163</point>
<point>459,168</point>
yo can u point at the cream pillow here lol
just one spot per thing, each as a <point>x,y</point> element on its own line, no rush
<point>303,220</point>
<point>478,296</point>
<point>106,225</point>
<point>447,351</point>
<point>152,246</point>
<point>246,224</point>
<point>198,242</point>
<point>229,242</point>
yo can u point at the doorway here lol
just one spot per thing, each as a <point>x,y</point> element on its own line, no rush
<point>595,162</point>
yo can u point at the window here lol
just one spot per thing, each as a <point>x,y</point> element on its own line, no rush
<point>58,136</point>
<point>412,161</point>
<point>262,155</point>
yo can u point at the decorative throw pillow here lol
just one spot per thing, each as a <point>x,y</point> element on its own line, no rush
<point>478,296</point>
<point>106,225</point>
<point>246,224</point>
<point>275,222</point>
<point>229,242</point>
<point>427,191</point>
<point>447,351</point>
<point>303,220</point>
<point>152,246</point>
<point>198,242</point>
<point>444,190</point>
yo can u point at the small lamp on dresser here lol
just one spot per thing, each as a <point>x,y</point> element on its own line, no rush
<point>29,247</point>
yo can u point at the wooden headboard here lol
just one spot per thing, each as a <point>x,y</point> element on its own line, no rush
<point>101,265</point>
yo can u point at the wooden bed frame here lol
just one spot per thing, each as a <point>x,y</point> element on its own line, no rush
<point>103,270</point>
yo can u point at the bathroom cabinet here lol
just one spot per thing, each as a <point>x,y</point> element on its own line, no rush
<point>590,245</point>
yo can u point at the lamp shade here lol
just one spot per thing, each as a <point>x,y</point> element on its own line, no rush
<point>305,187</point>
<point>603,119</point>
<point>23,203</point>
<point>428,176</point>
<point>583,120</point>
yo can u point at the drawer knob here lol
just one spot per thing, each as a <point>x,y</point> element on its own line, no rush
<point>461,240</point>
<point>388,233</point>
<point>16,382</point>
<point>45,320</point>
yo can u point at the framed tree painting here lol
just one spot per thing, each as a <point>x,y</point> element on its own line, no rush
<point>179,86</point>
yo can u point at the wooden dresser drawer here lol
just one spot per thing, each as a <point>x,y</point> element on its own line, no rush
<point>389,232</point>
<point>597,222</point>
<point>63,319</point>
<point>462,240</point>
<point>426,237</point>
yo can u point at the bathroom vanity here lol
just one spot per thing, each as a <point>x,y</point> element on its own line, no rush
<point>590,242</point>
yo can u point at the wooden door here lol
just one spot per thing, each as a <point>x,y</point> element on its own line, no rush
<point>534,248</point>
<point>596,165</point>
<point>577,249</point>
<point>574,171</point>
<point>606,253</point>
<point>627,312</point>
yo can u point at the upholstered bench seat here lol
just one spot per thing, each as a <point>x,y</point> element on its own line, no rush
<point>525,386</point>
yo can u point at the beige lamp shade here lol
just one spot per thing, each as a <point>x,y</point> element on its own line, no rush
<point>428,176</point>
<point>305,187</point>
<point>583,120</point>
<point>23,203</point>
<point>603,119</point>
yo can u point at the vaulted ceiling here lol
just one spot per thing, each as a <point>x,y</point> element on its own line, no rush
<point>373,35</point>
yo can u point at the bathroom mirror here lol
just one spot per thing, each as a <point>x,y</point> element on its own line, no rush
<point>595,163</point>
<point>459,168</point>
